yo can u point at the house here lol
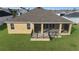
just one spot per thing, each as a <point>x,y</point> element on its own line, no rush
<point>4,16</point>
<point>74,17</point>
<point>40,23</point>
<point>63,12</point>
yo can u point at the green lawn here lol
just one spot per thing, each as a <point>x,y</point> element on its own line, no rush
<point>23,43</point>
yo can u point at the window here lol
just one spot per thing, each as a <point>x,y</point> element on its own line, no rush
<point>53,26</point>
<point>65,28</point>
<point>28,26</point>
<point>12,26</point>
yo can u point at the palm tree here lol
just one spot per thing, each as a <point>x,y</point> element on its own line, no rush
<point>13,12</point>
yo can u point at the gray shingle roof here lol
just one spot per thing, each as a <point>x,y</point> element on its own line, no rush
<point>4,13</point>
<point>39,15</point>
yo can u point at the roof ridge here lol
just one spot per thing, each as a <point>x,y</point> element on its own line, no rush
<point>39,15</point>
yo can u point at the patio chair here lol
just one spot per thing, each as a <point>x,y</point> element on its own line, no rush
<point>45,35</point>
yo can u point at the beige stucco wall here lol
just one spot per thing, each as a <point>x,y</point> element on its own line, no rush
<point>22,29</point>
<point>19,29</point>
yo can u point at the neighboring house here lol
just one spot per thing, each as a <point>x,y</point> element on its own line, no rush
<point>19,10</point>
<point>63,12</point>
<point>74,17</point>
<point>40,23</point>
<point>4,16</point>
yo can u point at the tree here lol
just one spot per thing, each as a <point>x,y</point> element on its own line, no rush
<point>74,9</point>
<point>13,12</point>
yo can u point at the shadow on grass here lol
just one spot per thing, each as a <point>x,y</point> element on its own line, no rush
<point>2,27</point>
<point>73,45</point>
<point>73,30</point>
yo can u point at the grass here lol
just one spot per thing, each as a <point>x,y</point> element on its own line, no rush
<point>19,42</point>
